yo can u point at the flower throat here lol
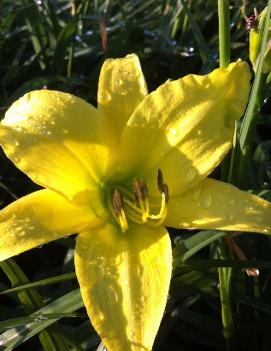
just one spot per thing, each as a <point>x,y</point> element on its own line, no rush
<point>136,206</point>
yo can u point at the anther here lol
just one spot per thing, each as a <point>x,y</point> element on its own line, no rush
<point>144,189</point>
<point>165,191</point>
<point>117,202</point>
<point>119,212</point>
<point>137,190</point>
<point>160,180</point>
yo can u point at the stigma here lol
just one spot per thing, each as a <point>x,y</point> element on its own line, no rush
<point>136,206</point>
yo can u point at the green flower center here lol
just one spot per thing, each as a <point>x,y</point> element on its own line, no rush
<point>126,205</point>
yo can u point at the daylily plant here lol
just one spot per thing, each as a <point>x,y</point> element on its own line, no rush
<point>118,175</point>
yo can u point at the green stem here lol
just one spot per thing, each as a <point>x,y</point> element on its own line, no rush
<point>249,122</point>
<point>225,277</point>
<point>51,338</point>
<point>224,32</point>
<point>225,274</point>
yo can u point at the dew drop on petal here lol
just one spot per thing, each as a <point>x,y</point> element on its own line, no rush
<point>105,97</point>
<point>183,224</point>
<point>196,193</point>
<point>257,219</point>
<point>230,217</point>
<point>191,174</point>
<point>172,131</point>
<point>206,201</point>
<point>21,233</point>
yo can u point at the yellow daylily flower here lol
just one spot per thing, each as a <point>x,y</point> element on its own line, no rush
<point>118,175</point>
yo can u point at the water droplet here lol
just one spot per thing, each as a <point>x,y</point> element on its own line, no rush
<point>232,202</point>
<point>230,217</point>
<point>183,224</point>
<point>257,219</point>
<point>22,233</point>
<point>123,92</point>
<point>48,132</point>
<point>16,143</point>
<point>191,174</point>
<point>206,201</point>
<point>83,245</point>
<point>172,131</point>
<point>196,193</point>
<point>111,294</point>
<point>118,82</point>
<point>199,132</point>
<point>105,97</point>
<point>65,131</point>
<point>266,230</point>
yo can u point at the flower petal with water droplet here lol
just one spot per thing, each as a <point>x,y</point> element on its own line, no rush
<point>55,138</point>
<point>233,209</point>
<point>38,218</point>
<point>125,299</point>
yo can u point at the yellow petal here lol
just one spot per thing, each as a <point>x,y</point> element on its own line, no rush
<point>55,139</point>
<point>124,280</point>
<point>216,205</point>
<point>38,218</point>
<point>121,88</point>
<point>185,127</point>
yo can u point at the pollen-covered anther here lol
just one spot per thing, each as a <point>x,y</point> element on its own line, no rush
<point>165,191</point>
<point>141,196</point>
<point>144,189</point>
<point>160,180</point>
<point>119,210</point>
<point>137,190</point>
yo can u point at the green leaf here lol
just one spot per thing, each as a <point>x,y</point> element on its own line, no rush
<point>43,282</point>
<point>188,247</point>
<point>16,336</point>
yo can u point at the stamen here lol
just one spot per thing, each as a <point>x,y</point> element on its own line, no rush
<point>123,221</point>
<point>160,180</point>
<point>139,210</point>
<point>137,191</point>
<point>165,191</point>
<point>163,208</point>
<point>141,191</point>
<point>119,212</point>
<point>144,189</point>
<point>117,202</point>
